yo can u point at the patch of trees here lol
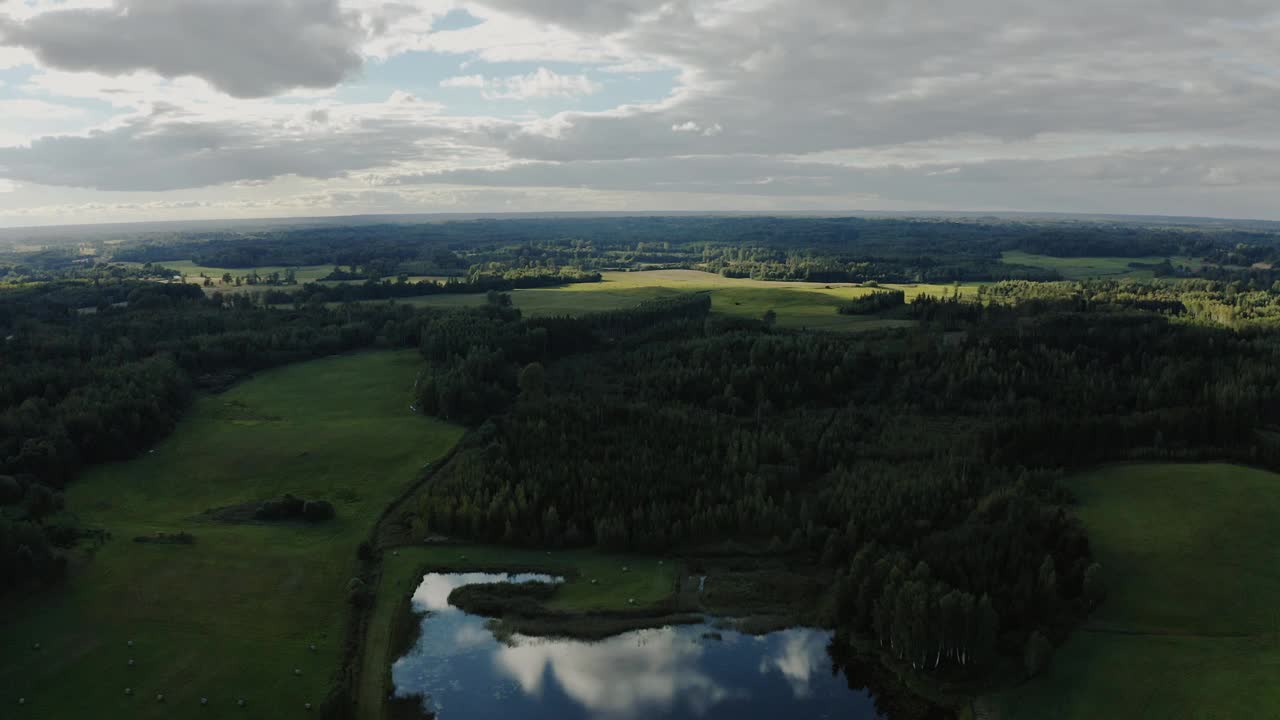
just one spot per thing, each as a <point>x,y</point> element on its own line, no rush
<point>476,283</point>
<point>291,507</point>
<point>499,599</point>
<point>163,538</point>
<point>877,301</point>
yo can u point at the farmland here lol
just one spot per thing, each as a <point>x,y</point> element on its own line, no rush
<point>234,614</point>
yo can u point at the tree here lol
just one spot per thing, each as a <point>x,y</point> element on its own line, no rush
<point>533,379</point>
<point>10,490</point>
<point>1036,657</point>
<point>1095,588</point>
<point>42,502</point>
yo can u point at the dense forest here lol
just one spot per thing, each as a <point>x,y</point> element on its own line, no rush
<point>814,249</point>
<point>916,467</point>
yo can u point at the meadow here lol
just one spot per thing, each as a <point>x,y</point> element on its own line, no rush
<point>1083,268</point>
<point>249,611</point>
<point>1191,625</point>
<point>797,304</point>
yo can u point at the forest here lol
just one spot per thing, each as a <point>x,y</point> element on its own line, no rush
<point>916,467</point>
<point>814,249</point>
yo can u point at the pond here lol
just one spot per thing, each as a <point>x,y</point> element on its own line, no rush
<point>692,671</point>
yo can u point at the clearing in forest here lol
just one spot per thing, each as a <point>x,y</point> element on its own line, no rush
<point>797,304</point>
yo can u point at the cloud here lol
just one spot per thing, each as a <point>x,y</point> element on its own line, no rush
<point>826,75</point>
<point>245,48</point>
<point>595,16</point>
<point>1224,180</point>
<point>463,81</point>
<point>166,150</point>
<point>541,83</point>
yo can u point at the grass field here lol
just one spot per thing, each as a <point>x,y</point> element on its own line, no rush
<point>797,304</point>
<point>646,580</point>
<point>1082,268</point>
<point>234,614</point>
<point>1191,627</point>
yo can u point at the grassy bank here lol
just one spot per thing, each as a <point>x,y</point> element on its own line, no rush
<point>233,615</point>
<point>1190,628</point>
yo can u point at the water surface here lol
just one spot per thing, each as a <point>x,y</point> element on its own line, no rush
<point>692,671</point>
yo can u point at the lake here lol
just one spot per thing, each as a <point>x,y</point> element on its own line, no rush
<point>692,671</point>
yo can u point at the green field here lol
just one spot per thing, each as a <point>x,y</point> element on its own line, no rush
<point>797,304</point>
<point>234,614</point>
<point>1083,268</point>
<point>645,580</point>
<point>1191,626</point>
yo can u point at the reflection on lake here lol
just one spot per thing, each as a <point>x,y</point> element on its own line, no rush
<point>462,672</point>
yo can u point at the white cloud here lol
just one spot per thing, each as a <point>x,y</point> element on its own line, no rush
<point>541,83</point>
<point>464,81</point>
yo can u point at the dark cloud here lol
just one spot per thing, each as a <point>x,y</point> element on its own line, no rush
<point>246,48</point>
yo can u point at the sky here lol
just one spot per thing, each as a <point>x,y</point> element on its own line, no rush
<point>132,110</point>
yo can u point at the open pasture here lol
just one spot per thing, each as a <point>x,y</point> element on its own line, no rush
<point>1191,625</point>
<point>235,615</point>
